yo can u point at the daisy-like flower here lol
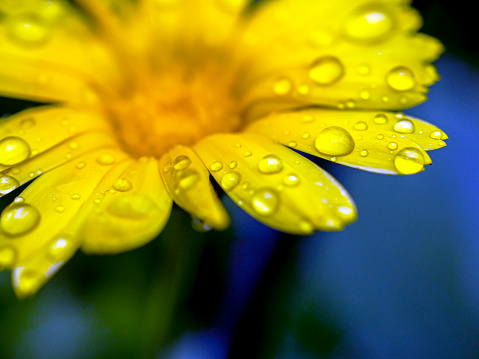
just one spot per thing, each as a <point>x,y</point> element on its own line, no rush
<point>149,98</point>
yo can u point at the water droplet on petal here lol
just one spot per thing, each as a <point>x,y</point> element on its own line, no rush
<point>105,159</point>
<point>61,249</point>
<point>19,218</point>
<point>404,126</point>
<point>291,180</point>
<point>76,196</point>
<point>166,168</point>
<point>265,201</point>
<point>326,70</point>
<point>7,184</point>
<point>7,255</point>
<point>400,79</point>
<point>282,86</point>
<point>81,165</point>
<point>270,164</point>
<point>380,119</point>
<point>368,24</point>
<point>409,161</point>
<point>230,180</point>
<point>334,141</point>
<point>361,126</point>
<point>122,185</point>
<point>365,95</point>
<point>28,30</point>
<point>306,226</point>
<point>306,135</point>
<point>364,153</point>
<point>346,213</point>
<point>437,135</point>
<point>181,163</point>
<point>233,164</point>
<point>188,179</point>
<point>133,206</point>
<point>73,145</point>
<point>247,154</point>
<point>13,150</point>
<point>380,137</point>
<point>364,70</point>
<point>216,166</point>
<point>60,209</point>
<point>392,145</point>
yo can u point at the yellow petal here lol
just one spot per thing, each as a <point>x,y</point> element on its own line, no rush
<point>354,54</point>
<point>276,185</point>
<point>42,128</point>
<point>373,141</point>
<point>38,228</point>
<point>128,209</point>
<point>188,182</point>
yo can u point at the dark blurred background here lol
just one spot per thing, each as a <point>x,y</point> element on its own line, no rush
<point>402,282</point>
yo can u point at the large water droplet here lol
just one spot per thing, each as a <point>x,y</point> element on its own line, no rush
<point>270,164</point>
<point>400,79</point>
<point>188,179</point>
<point>105,159</point>
<point>326,70</point>
<point>122,185</point>
<point>28,30</point>
<point>7,255</point>
<point>133,205</point>
<point>216,166</point>
<point>265,201</point>
<point>392,145</point>
<point>13,150</point>
<point>282,86</point>
<point>334,141</point>
<point>368,24</point>
<point>19,218</point>
<point>409,161</point>
<point>437,135</point>
<point>230,180</point>
<point>404,126</point>
<point>7,184</point>
<point>181,163</point>
<point>61,249</point>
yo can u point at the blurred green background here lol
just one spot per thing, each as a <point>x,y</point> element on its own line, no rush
<point>402,282</point>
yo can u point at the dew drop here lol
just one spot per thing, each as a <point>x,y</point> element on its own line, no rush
<point>188,179</point>
<point>392,145</point>
<point>81,165</point>
<point>368,24</point>
<point>404,126</point>
<point>74,145</point>
<point>437,135</point>
<point>306,226</point>
<point>326,70</point>
<point>334,141</point>
<point>365,95</point>
<point>291,180</point>
<point>346,213</point>
<point>364,70</point>
<point>60,209</point>
<point>303,90</point>
<point>60,249</point>
<point>306,135</point>
<point>441,143</point>
<point>122,185</point>
<point>166,168</point>
<point>19,218</point>
<point>216,166</point>
<point>133,206</point>
<point>400,79</point>
<point>361,126</point>
<point>7,255</point>
<point>199,225</point>
<point>292,144</point>
<point>181,163</point>
<point>265,201</point>
<point>364,153</point>
<point>380,137</point>
<point>233,164</point>
<point>247,154</point>
<point>282,86</point>
<point>7,184</point>
<point>230,180</point>
<point>13,150</point>
<point>75,196</point>
<point>105,159</point>
<point>28,30</point>
<point>409,161</point>
<point>270,164</point>
<point>380,119</point>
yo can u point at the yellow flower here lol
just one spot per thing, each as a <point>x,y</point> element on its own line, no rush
<point>149,98</point>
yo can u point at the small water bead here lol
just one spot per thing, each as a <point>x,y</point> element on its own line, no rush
<point>307,119</point>
<point>74,145</point>
<point>81,165</point>
<point>247,154</point>
<point>181,163</point>
<point>437,135</point>
<point>216,166</point>
<point>13,150</point>
<point>404,126</point>
<point>326,70</point>
<point>61,249</point>
<point>368,24</point>
<point>60,209</point>
<point>287,132</point>
<point>291,180</point>
<point>350,104</point>
<point>270,164</point>
<point>346,213</point>
<point>292,144</point>
<point>19,200</point>
<point>334,141</point>
<point>166,168</point>
<point>392,145</point>
<point>400,79</point>
<point>233,164</point>
<point>385,99</point>
<point>188,179</point>
<point>230,180</point>
<point>365,95</point>
<point>380,119</point>
<point>132,206</point>
<point>27,123</point>
<point>28,280</point>
<point>306,226</point>
<point>7,184</point>
<point>361,126</point>
<point>364,153</point>
<point>19,218</point>
<point>303,90</point>
<point>75,196</point>
<point>364,70</point>
<point>265,201</point>
<point>28,30</point>
<point>380,137</point>
<point>105,159</point>
<point>441,143</point>
<point>199,225</point>
<point>122,185</point>
<point>7,255</point>
<point>306,135</point>
<point>282,86</point>
<point>409,161</point>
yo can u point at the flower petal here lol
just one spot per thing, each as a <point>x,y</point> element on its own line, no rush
<point>379,142</point>
<point>188,182</point>
<point>276,185</point>
<point>37,230</point>
<point>357,54</point>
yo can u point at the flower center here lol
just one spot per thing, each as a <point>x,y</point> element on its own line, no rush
<point>176,106</point>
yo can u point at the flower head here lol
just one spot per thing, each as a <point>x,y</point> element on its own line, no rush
<point>149,98</point>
